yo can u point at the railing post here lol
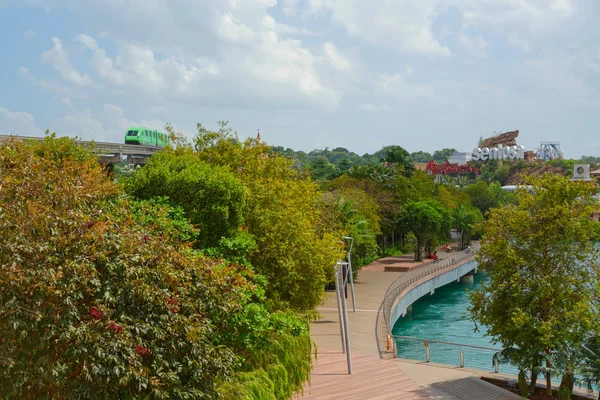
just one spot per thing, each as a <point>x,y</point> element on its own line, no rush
<point>345,315</point>
<point>427,354</point>
<point>337,297</point>
<point>462,357</point>
<point>496,366</point>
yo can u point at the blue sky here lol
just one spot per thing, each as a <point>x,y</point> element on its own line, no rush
<point>359,74</point>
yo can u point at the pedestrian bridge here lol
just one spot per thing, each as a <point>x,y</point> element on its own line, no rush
<point>410,287</point>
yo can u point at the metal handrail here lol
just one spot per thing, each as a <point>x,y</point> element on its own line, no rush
<point>384,331</point>
<point>442,342</point>
<point>495,360</point>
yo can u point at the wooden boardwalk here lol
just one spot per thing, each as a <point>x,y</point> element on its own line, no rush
<point>372,378</point>
<point>376,379</point>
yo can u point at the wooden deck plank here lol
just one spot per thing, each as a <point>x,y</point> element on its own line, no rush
<point>473,388</point>
<point>372,378</point>
<point>377,379</point>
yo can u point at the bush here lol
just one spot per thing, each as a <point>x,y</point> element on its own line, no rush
<point>100,300</point>
<point>212,197</point>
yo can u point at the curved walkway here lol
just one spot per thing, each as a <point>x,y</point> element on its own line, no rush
<point>374,378</point>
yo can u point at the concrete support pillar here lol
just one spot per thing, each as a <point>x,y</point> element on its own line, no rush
<point>409,309</point>
<point>467,278</point>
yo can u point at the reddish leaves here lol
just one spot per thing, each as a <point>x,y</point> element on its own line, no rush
<point>95,313</point>
<point>142,351</point>
<point>116,328</point>
<point>173,306</point>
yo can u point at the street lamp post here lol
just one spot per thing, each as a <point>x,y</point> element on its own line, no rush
<point>350,268</point>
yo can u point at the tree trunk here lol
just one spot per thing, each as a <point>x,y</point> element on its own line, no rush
<point>534,377</point>
<point>418,251</point>
<point>523,384</point>
<point>548,376</point>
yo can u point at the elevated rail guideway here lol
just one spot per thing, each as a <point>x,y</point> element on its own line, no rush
<point>107,152</point>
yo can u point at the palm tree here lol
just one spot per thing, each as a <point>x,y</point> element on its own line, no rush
<point>591,363</point>
<point>398,157</point>
<point>463,220</point>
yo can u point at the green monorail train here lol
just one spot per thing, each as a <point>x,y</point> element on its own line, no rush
<point>146,137</point>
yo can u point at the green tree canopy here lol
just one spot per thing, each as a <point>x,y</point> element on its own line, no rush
<point>441,156</point>
<point>543,268</point>
<point>103,298</point>
<point>421,157</point>
<point>211,196</point>
<point>427,220</point>
<point>281,212</point>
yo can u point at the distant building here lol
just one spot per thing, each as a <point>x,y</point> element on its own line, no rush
<point>460,158</point>
<point>421,166</point>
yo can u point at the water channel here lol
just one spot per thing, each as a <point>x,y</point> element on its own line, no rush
<point>442,317</point>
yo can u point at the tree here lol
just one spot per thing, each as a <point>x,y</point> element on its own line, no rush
<point>397,157</point>
<point>482,197</point>
<point>441,156</point>
<point>591,367</point>
<point>212,197</point>
<point>322,169</point>
<point>355,213</point>
<point>282,214</point>
<point>421,157</point>
<point>543,266</point>
<point>464,220</point>
<point>427,220</point>
<point>103,298</point>
<point>94,303</point>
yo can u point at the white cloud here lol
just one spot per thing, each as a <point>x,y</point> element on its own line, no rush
<point>560,77</point>
<point>29,33</point>
<point>475,44</point>
<point>252,55</point>
<point>138,67</point>
<point>108,126</point>
<point>337,60</point>
<point>403,25</point>
<point>289,7</point>
<point>400,86</point>
<point>373,108</point>
<point>18,123</point>
<point>58,58</point>
<point>51,85</point>
<point>406,25</point>
<point>520,43</point>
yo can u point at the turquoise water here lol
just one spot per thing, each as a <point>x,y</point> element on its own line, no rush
<point>441,316</point>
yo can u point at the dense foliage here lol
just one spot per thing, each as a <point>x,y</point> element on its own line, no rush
<point>104,298</point>
<point>275,224</point>
<point>212,198</point>
<point>543,267</point>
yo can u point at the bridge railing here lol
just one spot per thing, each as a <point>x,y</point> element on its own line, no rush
<point>385,342</point>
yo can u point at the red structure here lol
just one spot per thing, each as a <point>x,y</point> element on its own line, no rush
<point>450,169</point>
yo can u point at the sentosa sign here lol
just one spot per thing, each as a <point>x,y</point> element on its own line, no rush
<point>498,153</point>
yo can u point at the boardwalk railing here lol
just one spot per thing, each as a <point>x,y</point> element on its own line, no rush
<point>478,357</point>
<point>385,341</point>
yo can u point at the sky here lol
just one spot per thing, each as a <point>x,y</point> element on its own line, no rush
<point>358,74</point>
